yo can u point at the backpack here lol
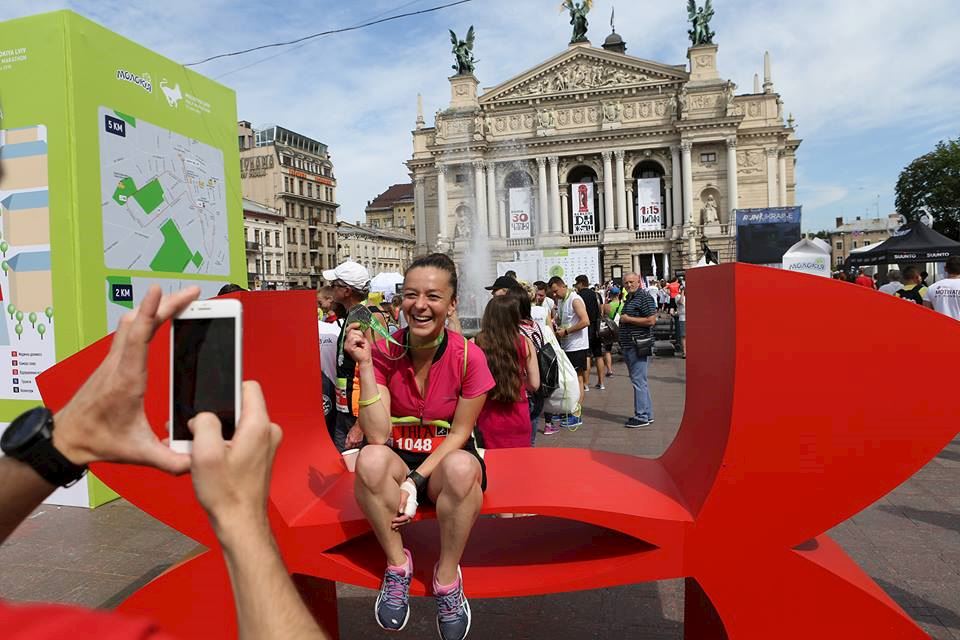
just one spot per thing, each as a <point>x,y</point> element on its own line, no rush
<point>546,362</point>
<point>913,295</point>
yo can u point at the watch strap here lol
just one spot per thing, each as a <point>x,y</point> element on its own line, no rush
<point>418,480</point>
<point>52,465</point>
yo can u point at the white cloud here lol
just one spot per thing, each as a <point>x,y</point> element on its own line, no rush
<point>844,69</point>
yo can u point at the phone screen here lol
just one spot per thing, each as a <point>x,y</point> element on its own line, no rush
<point>204,370</point>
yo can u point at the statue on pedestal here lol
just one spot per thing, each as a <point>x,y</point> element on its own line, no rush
<point>700,32</point>
<point>463,52</point>
<point>578,18</point>
<point>709,210</point>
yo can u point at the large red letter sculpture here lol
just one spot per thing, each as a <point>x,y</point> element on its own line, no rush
<point>767,459</point>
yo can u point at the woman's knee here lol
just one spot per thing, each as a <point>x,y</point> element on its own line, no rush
<point>461,472</point>
<point>373,464</point>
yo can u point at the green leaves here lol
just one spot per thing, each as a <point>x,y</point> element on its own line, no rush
<point>932,181</point>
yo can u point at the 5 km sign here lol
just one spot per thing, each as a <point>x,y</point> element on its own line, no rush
<point>520,222</point>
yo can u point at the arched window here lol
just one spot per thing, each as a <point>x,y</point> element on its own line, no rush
<point>579,222</point>
<point>648,169</point>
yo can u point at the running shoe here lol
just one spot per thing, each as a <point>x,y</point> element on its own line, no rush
<point>635,422</point>
<point>453,610</point>
<point>572,422</point>
<point>392,608</point>
<point>586,387</point>
<point>600,387</point>
<point>549,429</point>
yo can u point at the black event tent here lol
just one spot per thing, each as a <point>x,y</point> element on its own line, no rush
<point>914,242</point>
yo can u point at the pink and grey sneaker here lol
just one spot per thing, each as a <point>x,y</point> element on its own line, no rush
<point>392,608</point>
<point>453,610</point>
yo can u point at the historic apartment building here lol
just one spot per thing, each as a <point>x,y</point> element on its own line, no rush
<point>292,173</point>
<point>599,117</point>
<point>860,233</point>
<point>379,250</point>
<point>393,209</point>
<point>265,236</point>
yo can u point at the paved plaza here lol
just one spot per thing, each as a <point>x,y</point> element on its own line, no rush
<point>909,542</point>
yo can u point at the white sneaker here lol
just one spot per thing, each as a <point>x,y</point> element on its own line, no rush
<point>586,387</point>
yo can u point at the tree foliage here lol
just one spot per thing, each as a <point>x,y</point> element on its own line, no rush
<point>932,181</point>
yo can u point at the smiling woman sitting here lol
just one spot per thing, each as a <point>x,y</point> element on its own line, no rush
<point>419,403</point>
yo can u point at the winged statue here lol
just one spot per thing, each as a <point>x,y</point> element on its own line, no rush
<point>578,18</point>
<point>463,51</point>
<point>700,32</point>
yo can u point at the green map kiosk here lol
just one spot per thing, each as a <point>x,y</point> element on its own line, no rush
<point>120,170</point>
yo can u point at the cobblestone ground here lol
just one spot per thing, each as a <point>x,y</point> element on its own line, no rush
<point>909,542</point>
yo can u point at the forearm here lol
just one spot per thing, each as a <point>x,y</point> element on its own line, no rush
<point>373,418</point>
<point>268,605</point>
<point>454,441</point>
<point>21,491</point>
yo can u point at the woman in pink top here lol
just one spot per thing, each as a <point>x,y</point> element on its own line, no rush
<point>419,402</point>
<point>505,418</point>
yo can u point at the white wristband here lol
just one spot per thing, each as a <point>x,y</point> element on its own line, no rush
<point>410,509</point>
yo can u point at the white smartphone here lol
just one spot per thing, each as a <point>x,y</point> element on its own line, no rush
<point>206,369</point>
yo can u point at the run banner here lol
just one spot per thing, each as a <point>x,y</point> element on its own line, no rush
<point>581,198</point>
<point>649,206</point>
<point>520,213</point>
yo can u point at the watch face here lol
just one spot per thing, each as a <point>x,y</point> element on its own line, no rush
<point>24,429</point>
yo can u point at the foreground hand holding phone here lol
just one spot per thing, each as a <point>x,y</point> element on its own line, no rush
<point>105,421</point>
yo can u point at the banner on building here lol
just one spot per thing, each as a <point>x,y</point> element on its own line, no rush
<point>649,205</point>
<point>581,197</point>
<point>764,235</point>
<point>520,221</point>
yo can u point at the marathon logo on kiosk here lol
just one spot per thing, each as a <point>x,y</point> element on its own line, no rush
<point>418,437</point>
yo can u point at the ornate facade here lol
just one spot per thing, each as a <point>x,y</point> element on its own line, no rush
<point>599,115</point>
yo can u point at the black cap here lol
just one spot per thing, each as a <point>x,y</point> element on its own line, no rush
<point>503,282</point>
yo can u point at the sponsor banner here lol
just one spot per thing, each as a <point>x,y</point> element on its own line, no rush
<point>764,235</point>
<point>520,222</point>
<point>581,197</point>
<point>649,206</point>
<point>770,215</point>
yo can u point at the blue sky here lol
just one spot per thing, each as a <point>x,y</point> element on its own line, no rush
<point>872,85</point>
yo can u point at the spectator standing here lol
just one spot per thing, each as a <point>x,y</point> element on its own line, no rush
<point>326,304</point>
<point>572,331</point>
<point>612,310</point>
<point>682,320</point>
<point>638,317</point>
<point>351,283</point>
<point>504,420</point>
<point>893,282</point>
<point>913,289</point>
<point>943,296</point>
<point>864,280</point>
<point>592,302</point>
<point>543,299</point>
<point>536,332</point>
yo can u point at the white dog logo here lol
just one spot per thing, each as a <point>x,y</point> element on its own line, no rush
<point>173,95</point>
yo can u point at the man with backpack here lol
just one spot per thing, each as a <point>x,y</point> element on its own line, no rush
<point>913,289</point>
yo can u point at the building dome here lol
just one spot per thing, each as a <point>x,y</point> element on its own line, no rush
<point>615,43</point>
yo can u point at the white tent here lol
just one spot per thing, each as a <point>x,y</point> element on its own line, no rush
<point>808,256</point>
<point>386,282</point>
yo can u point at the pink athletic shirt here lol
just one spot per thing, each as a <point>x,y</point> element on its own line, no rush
<point>445,384</point>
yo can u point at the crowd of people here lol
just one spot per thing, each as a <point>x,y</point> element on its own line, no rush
<point>911,284</point>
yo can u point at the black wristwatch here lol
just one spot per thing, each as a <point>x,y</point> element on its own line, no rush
<point>417,479</point>
<point>29,439</point>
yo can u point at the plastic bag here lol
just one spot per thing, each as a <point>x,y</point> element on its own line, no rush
<point>566,398</point>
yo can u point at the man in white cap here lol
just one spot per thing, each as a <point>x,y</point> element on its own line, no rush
<point>351,284</point>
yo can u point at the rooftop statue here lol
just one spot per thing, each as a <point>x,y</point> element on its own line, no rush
<point>463,51</point>
<point>578,18</point>
<point>700,32</point>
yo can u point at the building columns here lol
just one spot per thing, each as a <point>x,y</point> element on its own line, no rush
<point>630,209</point>
<point>783,178</point>
<point>621,191</point>
<point>543,206</point>
<point>772,178</point>
<point>442,203</point>
<point>608,210</point>
<point>565,209</point>
<point>555,225</point>
<point>668,206</point>
<point>677,213</point>
<point>687,164</point>
<point>732,186</point>
<point>480,198</point>
<point>492,208</point>
<point>419,217</point>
